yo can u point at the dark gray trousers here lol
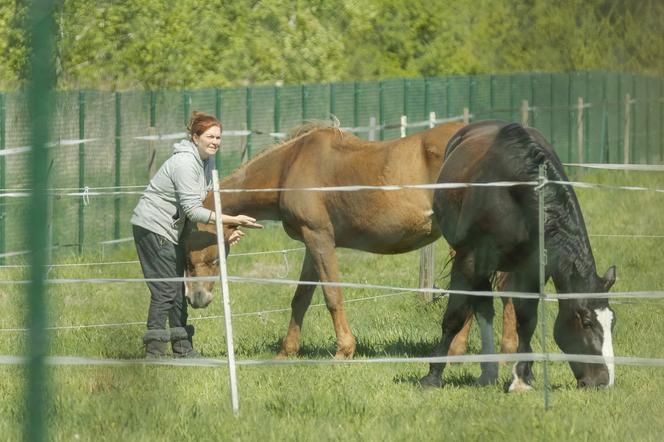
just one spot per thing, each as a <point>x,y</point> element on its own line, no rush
<point>160,258</point>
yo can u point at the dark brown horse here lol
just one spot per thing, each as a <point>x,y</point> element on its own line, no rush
<point>496,229</point>
<point>375,221</point>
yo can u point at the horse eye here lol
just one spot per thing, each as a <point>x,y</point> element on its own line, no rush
<point>587,323</point>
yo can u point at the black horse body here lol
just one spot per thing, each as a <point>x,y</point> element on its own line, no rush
<point>496,229</point>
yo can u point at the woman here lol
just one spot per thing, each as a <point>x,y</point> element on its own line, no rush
<point>176,191</point>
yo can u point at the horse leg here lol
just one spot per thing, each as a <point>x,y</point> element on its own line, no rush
<point>457,311</point>
<point>299,306</point>
<point>509,339</point>
<point>459,344</point>
<point>321,245</point>
<point>526,321</point>
<point>484,311</point>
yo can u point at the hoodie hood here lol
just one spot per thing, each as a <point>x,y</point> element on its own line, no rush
<point>187,146</point>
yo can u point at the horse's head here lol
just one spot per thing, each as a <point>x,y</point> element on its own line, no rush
<point>201,259</point>
<point>584,326</point>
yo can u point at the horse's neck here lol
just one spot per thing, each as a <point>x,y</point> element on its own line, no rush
<point>263,172</point>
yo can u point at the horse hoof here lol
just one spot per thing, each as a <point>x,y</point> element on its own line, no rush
<point>483,381</point>
<point>519,386</point>
<point>343,355</point>
<point>430,381</point>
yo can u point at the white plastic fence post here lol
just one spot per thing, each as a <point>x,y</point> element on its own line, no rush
<point>428,252</point>
<point>223,279</point>
<point>404,123</point>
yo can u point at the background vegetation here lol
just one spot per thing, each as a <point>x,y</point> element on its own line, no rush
<point>160,44</point>
<point>363,402</point>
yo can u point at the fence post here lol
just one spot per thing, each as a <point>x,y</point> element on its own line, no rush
<point>118,150</point>
<point>3,179</point>
<point>223,286</point>
<point>525,113</point>
<point>186,106</point>
<point>372,128</point>
<point>579,130</point>
<point>217,112</point>
<point>81,170</point>
<point>249,116</point>
<point>542,276</point>
<point>152,132</point>
<point>466,115</point>
<point>381,108</point>
<point>277,111</point>
<point>303,96</point>
<point>356,104</point>
<point>428,252</point>
<point>41,83</point>
<point>403,123</point>
<point>626,130</point>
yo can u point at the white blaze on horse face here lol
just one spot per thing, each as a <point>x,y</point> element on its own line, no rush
<point>605,318</point>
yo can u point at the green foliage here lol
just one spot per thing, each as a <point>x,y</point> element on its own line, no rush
<point>161,44</point>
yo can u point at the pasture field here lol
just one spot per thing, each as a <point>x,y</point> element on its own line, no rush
<point>367,401</point>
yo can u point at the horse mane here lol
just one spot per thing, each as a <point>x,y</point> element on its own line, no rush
<point>564,222</point>
<point>293,135</point>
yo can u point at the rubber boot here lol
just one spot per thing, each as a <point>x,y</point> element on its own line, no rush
<point>181,340</point>
<point>155,343</point>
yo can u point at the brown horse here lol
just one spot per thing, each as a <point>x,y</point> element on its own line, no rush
<point>377,221</point>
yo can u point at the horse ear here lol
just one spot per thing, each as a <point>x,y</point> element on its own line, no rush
<point>609,278</point>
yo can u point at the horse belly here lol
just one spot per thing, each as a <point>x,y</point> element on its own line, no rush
<point>390,236</point>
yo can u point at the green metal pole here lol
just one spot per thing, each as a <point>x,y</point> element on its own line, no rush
<point>427,105</point>
<point>448,103</point>
<point>81,169</point>
<point>277,110</point>
<point>333,99</point>
<point>186,106</point>
<point>153,109</point>
<point>647,119</point>
<point>118,151</point>
<point>41,82</point>
<point>492,92</point>
<point>542,277</point>
<point>217,112</point>
<point>356,104</point>
<point>381,109</point>
<point>552,137</point>
<point>570,124</point>
<point>250,114</point>
<point>303,97</point>
<point>533,85</point>
<point>661,118</point>
<point>3,179</point>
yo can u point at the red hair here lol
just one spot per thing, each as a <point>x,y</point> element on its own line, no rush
<point>201,122</point>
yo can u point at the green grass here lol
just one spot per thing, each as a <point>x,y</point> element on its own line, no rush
<point>338,402</point>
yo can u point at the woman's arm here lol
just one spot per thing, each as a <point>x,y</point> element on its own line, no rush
<point>238,220</point>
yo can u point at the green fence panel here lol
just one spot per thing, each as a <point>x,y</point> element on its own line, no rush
<point>117,130</point>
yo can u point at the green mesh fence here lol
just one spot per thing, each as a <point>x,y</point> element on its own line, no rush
<point>110,142</point>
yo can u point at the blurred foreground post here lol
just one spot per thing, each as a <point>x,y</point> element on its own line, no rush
<point>41,77</point>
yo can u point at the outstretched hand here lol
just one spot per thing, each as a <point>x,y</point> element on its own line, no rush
<point>246,221</point>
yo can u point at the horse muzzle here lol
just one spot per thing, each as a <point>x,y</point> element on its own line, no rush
<point>199,298</point>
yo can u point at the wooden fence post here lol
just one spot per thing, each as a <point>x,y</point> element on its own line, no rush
<point>372,129</point>
<point>525,113</point>
<point>466,115</point>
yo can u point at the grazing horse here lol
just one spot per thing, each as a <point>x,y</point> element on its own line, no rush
<point>377,221</point>
<point>496,229</point>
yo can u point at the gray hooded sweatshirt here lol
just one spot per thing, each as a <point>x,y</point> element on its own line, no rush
<point>176,191</point>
